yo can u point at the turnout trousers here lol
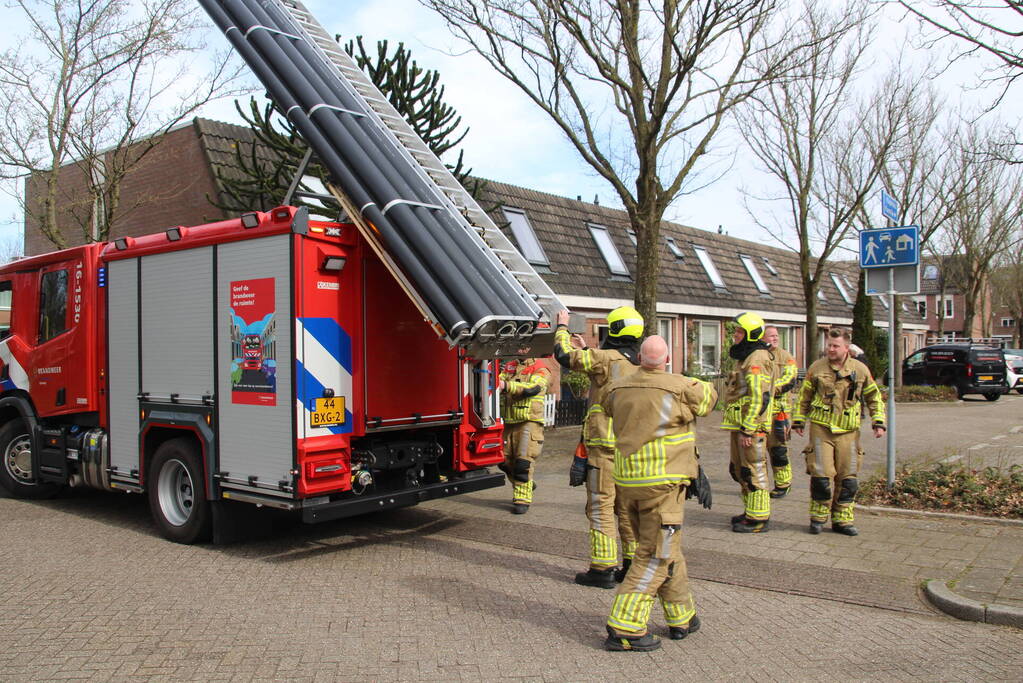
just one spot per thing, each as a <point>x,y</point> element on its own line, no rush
<point>658,570</point>
<point>523,442</point>
<point>602,506</point>
<point>833,462</point>
<point>748,466</point>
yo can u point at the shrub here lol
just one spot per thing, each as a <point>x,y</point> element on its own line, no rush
<point>912,393</point>
<point>992,491</point>
<point>578,382</point>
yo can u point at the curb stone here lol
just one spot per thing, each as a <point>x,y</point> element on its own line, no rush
<point>882,510</point>
<point>941,596</point>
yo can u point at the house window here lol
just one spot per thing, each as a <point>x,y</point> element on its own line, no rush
<point>921,307</point>
<point>884,301</point>
<point>608,249</point>
<point>841,289</point>
<point>949,308</point>
<point>52,304</point>
<point>1008,322</point>
<point>632,237</point>
<point>525,237</point>
<point>821,295</point>
<point>673,248</point>
<point>709,267</point>
<point>754,274</point>
<point>787,339</point>
<point>770,268</point>
<point>709,343</point>
<point>930,272</point>
<point>664,327</point>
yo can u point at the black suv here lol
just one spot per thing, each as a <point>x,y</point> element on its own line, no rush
<point>970,368</point>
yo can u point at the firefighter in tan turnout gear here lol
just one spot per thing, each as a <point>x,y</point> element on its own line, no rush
<point>524,385</point>
<point>749,393</point>
<point>655,467</point>
<point>778,437</point>
<point>832,397</point>
<point>617,357</point>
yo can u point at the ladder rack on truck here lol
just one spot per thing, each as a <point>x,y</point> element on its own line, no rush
<point>458,267</point>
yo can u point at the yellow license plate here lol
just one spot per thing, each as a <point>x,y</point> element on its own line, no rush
<point>986,378</point>
<point>328,412</point>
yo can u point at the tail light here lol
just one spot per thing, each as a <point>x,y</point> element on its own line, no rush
<point>969,369</point>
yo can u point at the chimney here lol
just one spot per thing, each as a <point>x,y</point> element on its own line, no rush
<point>596,200</point>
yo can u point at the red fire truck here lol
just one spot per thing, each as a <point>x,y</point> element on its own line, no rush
<point>116,374</point>
<point>252,352</point>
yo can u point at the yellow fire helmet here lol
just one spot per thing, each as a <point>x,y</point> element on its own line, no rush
<point>625,321</point>
<point>753,324</point>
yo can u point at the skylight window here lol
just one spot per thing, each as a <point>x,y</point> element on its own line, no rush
<point>754,274</point>
<point>821,295</point>
<point>930,272</point>
<point>770,269</point>
<point>608,249</point>
<point>525,237</point>
<point>673,248</point>
<point>884,300</point>
<point>709,267</point>
<point>632,237</point>
<point>841,289</point>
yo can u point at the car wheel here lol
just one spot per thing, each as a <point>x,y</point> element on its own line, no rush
<point>16,468</point>
<point>992,395</point>
<point>1020,390</point>
<point>177,496</point>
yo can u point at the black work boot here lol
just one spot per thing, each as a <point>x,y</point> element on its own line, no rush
<point>620,643</point>
<point>738,518</point>
<point>620,573</point>
<point>680,632</point>
<point>598,578</point>
<point>520,508</point>
<point>750,526</point>
<point>847,529</point>
<point>779,492</point>
<point>816,527</point>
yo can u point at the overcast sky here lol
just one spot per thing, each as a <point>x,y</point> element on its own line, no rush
<point>510,140</point>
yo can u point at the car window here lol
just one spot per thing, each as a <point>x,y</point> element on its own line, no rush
<point>941,355</point>
<point>986,356</point>
<point>916,360</point>
<point>52,304</point>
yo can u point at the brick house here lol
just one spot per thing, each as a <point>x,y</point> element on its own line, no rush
<point>584,251</point>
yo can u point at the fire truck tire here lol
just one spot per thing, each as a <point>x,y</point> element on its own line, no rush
<point>16,467</point>
<point>176,493</point>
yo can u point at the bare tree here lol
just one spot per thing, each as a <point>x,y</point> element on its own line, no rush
<point>92,86</point>
<point>987,216</point>
<point>823,142</point>
<point>1007,282</point>
<point>639,89</point>
<point>10,249</point>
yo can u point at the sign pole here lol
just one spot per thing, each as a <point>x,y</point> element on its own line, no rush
<point>891,378</point>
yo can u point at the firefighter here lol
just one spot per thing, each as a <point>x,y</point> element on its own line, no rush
<point>524,385</point>
<point>617,357</point>
<point>655,467</point>
<point>778,437</point>
<point>832,397</point>
<point>749,392</point>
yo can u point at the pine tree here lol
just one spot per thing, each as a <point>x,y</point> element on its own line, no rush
<point>863,334</point>
<point>264,170</point>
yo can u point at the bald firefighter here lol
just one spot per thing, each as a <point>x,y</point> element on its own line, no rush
<point>778,437</point>
<point>524,385</point>
<point>617,357</point>
<point>749,393</point>
<point>656,467</point>
<point>832,397</point>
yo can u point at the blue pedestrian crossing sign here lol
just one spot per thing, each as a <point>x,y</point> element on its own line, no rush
<point>890,247</point>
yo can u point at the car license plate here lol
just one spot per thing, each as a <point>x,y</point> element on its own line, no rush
<point>327,412</point>
<point>986,378</point>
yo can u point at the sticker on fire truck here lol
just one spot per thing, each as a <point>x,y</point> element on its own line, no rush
<point>253,342</point>
<point>327,412</point>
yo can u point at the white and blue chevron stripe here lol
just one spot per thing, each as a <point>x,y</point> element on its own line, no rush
<point>18,378</point>
<point>323,358</point>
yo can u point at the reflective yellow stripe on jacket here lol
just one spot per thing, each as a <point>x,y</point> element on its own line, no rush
<point>517,408</point>
<point>648,466</point>
<point>749,413</point>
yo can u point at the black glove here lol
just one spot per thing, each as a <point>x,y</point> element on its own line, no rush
<point>700,487</point>
<point>577,472</point>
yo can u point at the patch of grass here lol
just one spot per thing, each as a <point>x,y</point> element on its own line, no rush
<point>945,487</point>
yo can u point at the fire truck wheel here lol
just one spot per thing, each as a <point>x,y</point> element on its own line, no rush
<point>176,493</point>
<point>16,468</point>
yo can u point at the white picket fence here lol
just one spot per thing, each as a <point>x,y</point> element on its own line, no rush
<point>549,401</point>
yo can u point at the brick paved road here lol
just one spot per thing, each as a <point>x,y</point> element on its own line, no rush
<point>91,593</point>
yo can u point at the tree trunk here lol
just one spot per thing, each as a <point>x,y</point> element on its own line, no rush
<point>646,221</point>
<point>813,349</point>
